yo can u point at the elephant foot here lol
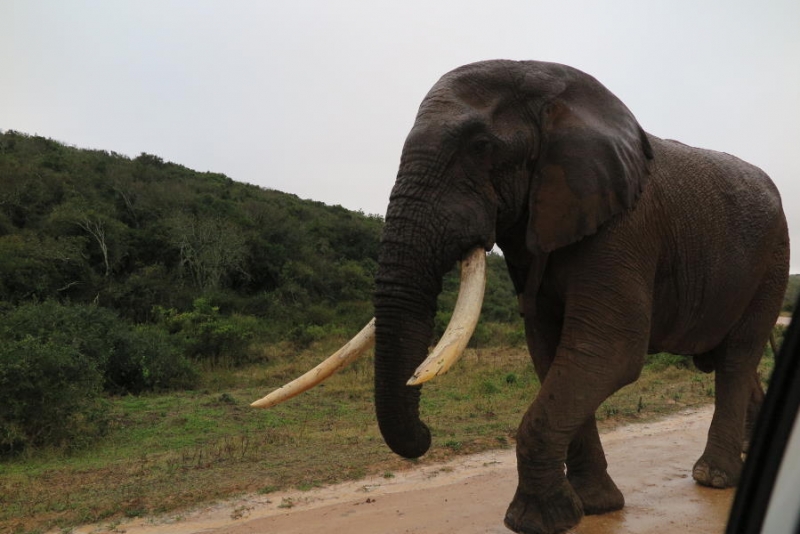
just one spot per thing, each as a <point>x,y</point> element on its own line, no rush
<point>598,493</point>
<point>717,474</point>
<point>552,513</point>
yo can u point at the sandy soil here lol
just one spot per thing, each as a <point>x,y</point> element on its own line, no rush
<point>651,464</point>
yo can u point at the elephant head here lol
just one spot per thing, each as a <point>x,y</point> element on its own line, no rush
<point>530,156</point>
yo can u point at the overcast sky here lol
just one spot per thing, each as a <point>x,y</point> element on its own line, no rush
<point>316,97</point>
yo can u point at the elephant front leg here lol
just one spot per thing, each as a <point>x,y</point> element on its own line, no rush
<point>546,501</point>
<point>587,472</point>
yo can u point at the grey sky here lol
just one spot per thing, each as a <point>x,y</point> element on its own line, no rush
<point>316,97</point>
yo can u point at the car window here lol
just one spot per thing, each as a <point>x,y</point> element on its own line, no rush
<point>768,496</point>
<point>782,512</point>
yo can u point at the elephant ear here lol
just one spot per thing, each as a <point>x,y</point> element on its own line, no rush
<point>593,162</point>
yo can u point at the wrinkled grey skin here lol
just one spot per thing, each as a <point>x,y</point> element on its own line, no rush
<point>620,244</point>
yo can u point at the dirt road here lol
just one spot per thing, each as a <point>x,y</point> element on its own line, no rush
<point>651,464</point>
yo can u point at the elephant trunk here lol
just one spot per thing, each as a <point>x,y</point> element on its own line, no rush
<point>408,282</point>
<point>404,312</point>
<point>401,343</point>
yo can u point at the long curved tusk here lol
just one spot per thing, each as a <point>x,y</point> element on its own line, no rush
<point>463,322</point>
<point>351,350</point>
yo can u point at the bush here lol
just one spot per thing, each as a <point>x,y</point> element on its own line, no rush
<point>130,359</point>
<point>144,359</point>
<point>302,336</point>
<point>49,396</point>
<point>205,335</point>
<point>84,328</point>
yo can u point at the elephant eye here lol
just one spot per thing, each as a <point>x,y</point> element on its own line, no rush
<point>481,147</point>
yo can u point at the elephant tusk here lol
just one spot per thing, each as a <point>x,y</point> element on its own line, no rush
<point>351,350</point>
<point>463,322</point>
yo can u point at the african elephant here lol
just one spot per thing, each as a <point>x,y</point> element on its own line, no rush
<point>618,243</point>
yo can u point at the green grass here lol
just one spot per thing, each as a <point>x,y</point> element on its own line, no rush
<point>165,453</point>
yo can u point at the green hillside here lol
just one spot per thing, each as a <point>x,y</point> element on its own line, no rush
<point>93,226</point>
<point>89,226</point>
<point>138,272</point>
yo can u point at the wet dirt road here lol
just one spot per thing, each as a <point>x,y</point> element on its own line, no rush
<point>651,464</point>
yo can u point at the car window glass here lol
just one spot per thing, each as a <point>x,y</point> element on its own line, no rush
<point>782,514</point>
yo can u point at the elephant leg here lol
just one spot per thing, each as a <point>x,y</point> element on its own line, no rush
<point>721,463</point>
<point>586,460</point>
<point>753,409</point>
<point>738,393</point>
<point>545,501</point>
<point>587,472</point>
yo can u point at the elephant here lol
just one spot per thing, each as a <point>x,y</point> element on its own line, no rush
<point>618,244</point>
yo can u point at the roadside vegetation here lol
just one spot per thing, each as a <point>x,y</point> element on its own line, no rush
<point>144,305</point>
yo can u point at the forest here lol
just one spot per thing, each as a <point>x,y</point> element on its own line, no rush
<point>127,275</point>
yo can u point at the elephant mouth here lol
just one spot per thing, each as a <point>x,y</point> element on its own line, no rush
<point>446,353</point>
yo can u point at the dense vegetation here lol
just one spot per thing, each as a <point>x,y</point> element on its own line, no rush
<point>121,275</point>
<point>91,226</point>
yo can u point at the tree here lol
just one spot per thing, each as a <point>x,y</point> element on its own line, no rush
<point>96,227</point>
<point>211,249</point>
<point>36,266</point>
<point>103,230</point>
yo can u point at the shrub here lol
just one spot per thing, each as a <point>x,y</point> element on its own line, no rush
<point>302,336</point>
<point>130,359</point>
<point>84,328</point>
<point>205,335</point>
<point>144,359</point>
<point>49,396</point>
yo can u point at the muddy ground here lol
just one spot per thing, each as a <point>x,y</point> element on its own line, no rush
<point>651,464</point>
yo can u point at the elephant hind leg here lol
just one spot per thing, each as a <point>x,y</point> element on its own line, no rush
<point>738,400</point>
<point>753,409</point>
<point>721,463</point>
<point>705,363</point>
<point>738,390</point>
